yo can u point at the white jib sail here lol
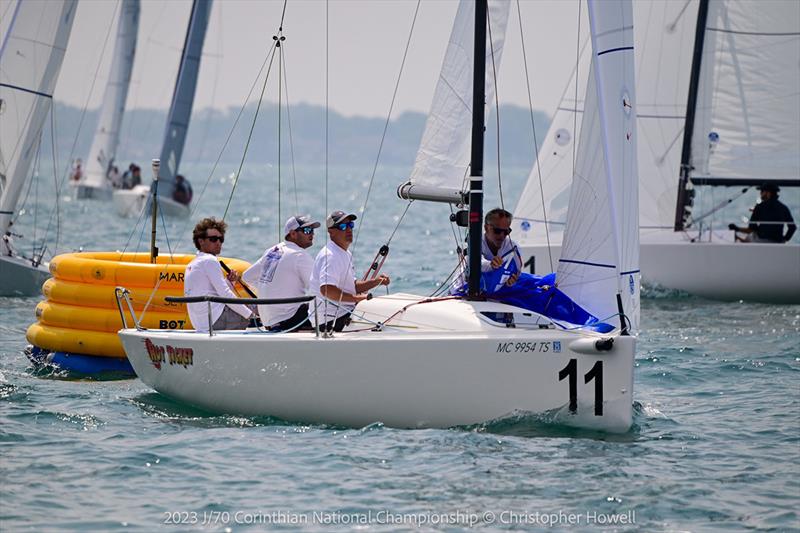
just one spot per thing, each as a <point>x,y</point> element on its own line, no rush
<point>600,255</point>
<point>106,137</point>
<point>747,124</point>
<point>30,60</point>
<point>444,152</point>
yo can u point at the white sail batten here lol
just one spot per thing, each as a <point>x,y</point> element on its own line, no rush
<point>748,108</point>
<point>31,57</point>
<point>443,157</point>
<point>106,137</point>
<point>600,255</point>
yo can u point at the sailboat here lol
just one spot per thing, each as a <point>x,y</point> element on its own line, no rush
<point>96,182</point>
<point>31,55</point>
<point>728,76</point>
<point>412,362</point>
<point>131,202</point>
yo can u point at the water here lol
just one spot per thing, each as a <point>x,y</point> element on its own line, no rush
<point>715,444</point>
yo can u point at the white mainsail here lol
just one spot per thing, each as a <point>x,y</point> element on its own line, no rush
<point>747,124</point>
<point>30,60</point>
<point>106,137</point>
<point>443,156</point>
<point>600,255</point>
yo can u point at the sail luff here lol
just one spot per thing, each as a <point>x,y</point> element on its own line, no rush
<point>106,138</point>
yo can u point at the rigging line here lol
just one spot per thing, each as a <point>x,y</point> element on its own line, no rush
<point>671,26</point>
<point>80,122</point>
<point>280,101</point>
<point>250,135</point>
<point>577,77</point>
<point>283,14</point>
<point>399,222</point>
<point>133,231</point>
<point>291,138</point>
<point>225,145</point>
<point>166,234</point>
<point>386,124</point>
<point>535,140</point>
<point>327,113</point>
<point>57,184</point>
<point>496,109</point>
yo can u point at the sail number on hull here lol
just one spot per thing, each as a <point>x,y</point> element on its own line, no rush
<point>570,372</point>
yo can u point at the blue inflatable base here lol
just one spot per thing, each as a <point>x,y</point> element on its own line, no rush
<point>89,365</point>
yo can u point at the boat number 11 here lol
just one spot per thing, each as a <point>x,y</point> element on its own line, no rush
<point>596,373</point>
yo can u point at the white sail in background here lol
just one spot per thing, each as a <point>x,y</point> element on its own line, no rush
<point>106,137</point>
<point>30,60</point>
<point>748,103</point>
<point>600,255</point>
<point>444,152</point>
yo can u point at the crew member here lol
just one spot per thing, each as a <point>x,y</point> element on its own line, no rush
<point>333,277</point>
<point>768,219</point>
<point>204,277</point>
<point>284,272</point>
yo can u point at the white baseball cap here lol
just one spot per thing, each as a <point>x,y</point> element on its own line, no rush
<point>299,222</point>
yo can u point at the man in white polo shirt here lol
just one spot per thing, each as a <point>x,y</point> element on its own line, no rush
<point>333,278</point>
<point>204,277</point>
<point>283,272</point>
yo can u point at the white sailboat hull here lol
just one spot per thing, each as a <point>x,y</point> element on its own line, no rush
<point>761,272</point>
<point>130,202</point>
<point>18,277</point>
<point>85,192</point>
<point>402,378</point>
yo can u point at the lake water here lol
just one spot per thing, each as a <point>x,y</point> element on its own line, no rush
<point>715,444</point>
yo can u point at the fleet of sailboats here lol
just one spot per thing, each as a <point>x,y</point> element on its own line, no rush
<point>730,78</point>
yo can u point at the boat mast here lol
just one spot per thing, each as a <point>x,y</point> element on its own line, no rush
<point>684,196</point>
<point>476,159</point>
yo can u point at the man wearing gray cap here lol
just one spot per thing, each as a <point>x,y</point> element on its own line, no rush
<point>283,272</point>
<point>333,277</point>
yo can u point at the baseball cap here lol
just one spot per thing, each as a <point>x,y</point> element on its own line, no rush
<point>767,186</point>
<point>298,222</point>
<point>339,216</point>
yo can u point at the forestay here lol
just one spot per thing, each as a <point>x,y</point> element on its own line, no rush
<point>600,256</point>
<point>748,108</point>
<point>31,56</point>
<point>106,137</point>
<point>443,157</point>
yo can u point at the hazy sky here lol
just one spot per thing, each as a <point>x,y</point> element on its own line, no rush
<point>367,39</point>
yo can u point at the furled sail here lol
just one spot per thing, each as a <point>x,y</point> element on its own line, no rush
<point>30,60</point>
<point>600,255</point>
<point>106,137</point>
<point>748,101</point>
<point>442,162</point>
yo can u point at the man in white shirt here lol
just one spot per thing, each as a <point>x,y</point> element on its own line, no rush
<point>283,272</point>
<point>333,278</point>
<point>204,277</point>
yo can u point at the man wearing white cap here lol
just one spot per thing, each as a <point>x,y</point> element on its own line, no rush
<point>283,272</point>
<point>333,278</point>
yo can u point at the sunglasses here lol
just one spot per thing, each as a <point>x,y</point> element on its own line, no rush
<point>344,225</point>
<point>215,238</point>
<point>307,231</point>
<point>501,231</point>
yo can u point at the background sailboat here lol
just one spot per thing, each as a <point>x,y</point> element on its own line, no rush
<point>132,202</point>
<point>31,56</point>
<point>96,182</point>
<point>746,131</point>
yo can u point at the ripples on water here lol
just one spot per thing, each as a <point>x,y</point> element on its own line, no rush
<point>715,444</point>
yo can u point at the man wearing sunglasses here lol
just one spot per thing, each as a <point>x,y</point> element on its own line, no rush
<point>497,246</point>
<point>333,277</point>
<point>283,272</point>
<point>204,277</point>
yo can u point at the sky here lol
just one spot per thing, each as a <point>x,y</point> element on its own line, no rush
<point>366,42</point>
